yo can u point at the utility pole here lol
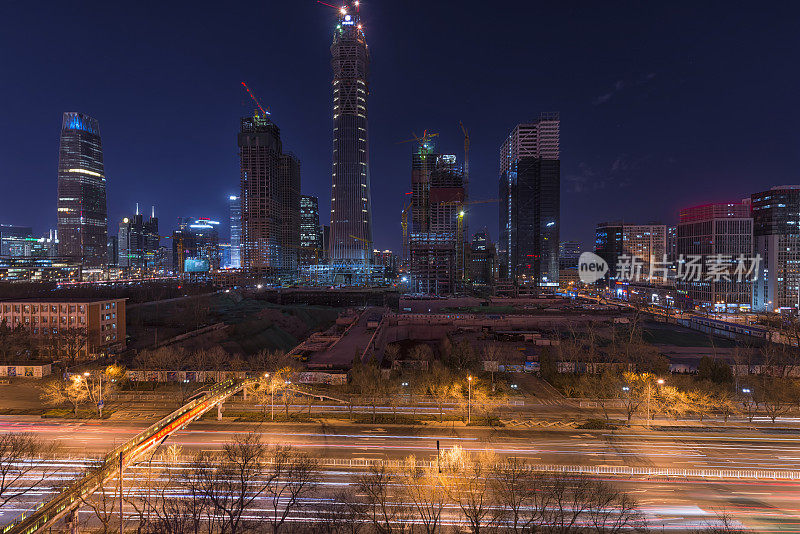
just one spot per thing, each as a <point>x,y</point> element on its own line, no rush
<point>469,399</point>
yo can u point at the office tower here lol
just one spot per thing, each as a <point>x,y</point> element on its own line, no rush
<point>483,259</point>
<point>530,190</point>
<point>152,239</point>
<point>82,217</point>
<point>568,254</point>
<point>618,243</point>
<point>235,209</point>
<point>15,240</point>
<point>138,241</point>
<point>112,249</point>
<point>310,231</point>
<point>351,204</point>
<point>195,245</point>
<point>706,232</point>
<point>776,238</point>
<point>437,215</point>
<point>270,199</point>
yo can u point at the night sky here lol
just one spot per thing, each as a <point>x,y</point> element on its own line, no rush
<point>663,104</point>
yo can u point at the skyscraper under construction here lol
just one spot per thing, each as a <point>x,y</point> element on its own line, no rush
<point>82,215</point>
<point>270,199</point>
<point>437,217</point>
<point>351,204</point>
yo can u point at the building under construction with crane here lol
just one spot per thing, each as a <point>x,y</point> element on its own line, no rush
<point>270,198</point>
<point>436,228</point>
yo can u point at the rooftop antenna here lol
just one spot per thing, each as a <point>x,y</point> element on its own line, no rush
<point>153,215</point>
<point>137,208</point>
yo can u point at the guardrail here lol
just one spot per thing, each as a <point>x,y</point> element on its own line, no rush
<point>70,496</point>
<point>605,470</point>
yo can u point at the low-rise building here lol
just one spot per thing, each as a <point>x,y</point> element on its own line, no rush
<point>100,321</point>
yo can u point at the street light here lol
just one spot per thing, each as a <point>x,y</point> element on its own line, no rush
<point>469,399</point>
<point>272,398</point>
<point>660,382</point>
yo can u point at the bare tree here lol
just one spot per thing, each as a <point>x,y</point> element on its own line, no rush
<point>518,492</point>
<point>59,392</point>
<point>381,507</point>
<point>24,466</point>
<point>231,481</point>
<point>72,341</point>
<point>422,488</point>
<point>469,483</point>
<point>340,515</point>
<point>291,475</point>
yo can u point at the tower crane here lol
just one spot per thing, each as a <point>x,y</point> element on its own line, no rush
<point>421,140</point>
<point>264,113</point>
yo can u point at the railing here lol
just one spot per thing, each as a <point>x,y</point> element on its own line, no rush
<point>70,496</point>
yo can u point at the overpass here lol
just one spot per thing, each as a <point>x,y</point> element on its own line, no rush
<point>69,498</point>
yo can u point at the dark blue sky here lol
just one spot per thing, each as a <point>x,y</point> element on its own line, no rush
<point>662,105</point>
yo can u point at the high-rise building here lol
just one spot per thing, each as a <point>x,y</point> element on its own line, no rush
<point>15,240</point>
<point>82,216</point>
<point>351,204</point>
<point>235,208</point>
<point>326,241</point>
<point>483,259</point>
<point>436,241</point>
<point>113,250</point>
<point>619,243</point>
<point>568,254</point>
<point>710,232</point>
<point>270,199</point>
<point>530,196</point>
<point>310,231</point>
<point>195,245</point>
<point>776,238</point>
<point>138,241</point>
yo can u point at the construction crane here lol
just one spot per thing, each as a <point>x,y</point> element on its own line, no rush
<point>421,140</point>
<point>264,113</point>
<point>367,246</point>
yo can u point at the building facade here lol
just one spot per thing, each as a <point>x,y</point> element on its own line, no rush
<point>568,254</point>
<point>351,204</point>
<point>99,324</point>
<point>138,242</point>
<point>776,239</point>
<point>82,214</point>
<point>310,231</point>
<point>195,246</point>
<point>235,214</point>
<point>436,240</point>
<point>640,250</point>
<point>710,232</point>
<point>270,199</point>
<point>482,260</point>
<point>530,197</point>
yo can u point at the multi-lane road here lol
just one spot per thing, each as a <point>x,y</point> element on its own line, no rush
<point>763,505</point>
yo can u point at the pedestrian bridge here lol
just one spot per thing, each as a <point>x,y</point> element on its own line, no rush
<point>69,498</point>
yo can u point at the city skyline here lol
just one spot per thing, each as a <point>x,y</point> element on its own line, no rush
<point>605,154</point>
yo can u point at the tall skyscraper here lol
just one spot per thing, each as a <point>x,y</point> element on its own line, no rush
<point>530,196</point>
<point>713,231</point>
<point>436,240</point>
<point>82,215</point>
<point>776,238</point>
<point>235,208</point>
<point>270,199</point>
<point>310,231</point>
<point>568,254</point>
<point>351,204</point>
